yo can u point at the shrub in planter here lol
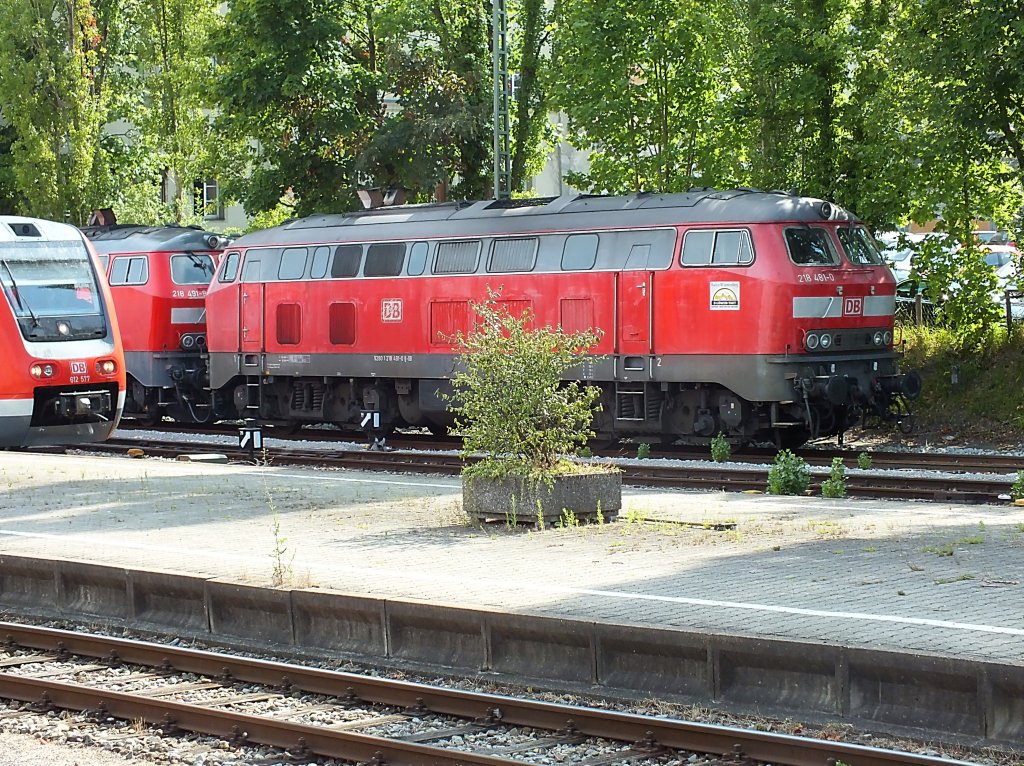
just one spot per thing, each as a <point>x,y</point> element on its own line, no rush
<point>520,419</point>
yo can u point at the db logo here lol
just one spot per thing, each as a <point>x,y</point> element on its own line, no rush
<point>853,306</point>
<point>78,368</point>
<point>391,310</point>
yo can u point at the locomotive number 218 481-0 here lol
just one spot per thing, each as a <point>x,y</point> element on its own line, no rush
<point>818,276</point>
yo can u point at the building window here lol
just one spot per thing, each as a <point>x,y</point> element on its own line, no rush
<point>208,203</point>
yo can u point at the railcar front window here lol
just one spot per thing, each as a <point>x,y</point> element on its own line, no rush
<point>191,269</point>
<point>859,247</point>
<point>48,279</point>
<point>811,247</point>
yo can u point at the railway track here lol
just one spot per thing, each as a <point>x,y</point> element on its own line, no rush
<point>876,484</point>
<point>311,712</point>
<point>950,462</point>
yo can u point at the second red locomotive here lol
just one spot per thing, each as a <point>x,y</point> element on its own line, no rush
<point>158,277</point>
<point>763,316</point>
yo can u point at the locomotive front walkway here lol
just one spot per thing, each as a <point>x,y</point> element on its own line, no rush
<point>923,577</point>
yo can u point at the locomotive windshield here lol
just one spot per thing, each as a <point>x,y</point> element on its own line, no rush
<point>191,269</point>
<point>859,247</point>
<point>48,279</point>
<point>811,247</point>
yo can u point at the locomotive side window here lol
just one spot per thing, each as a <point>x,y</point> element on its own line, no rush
<point>321,259</point>
<point>717,248</point>
<point>508,255</point>
<point>289,324</point>
<point>457,257</point>
<point>859,247</point>
<point>342,319</point>
<point>418,258</point>
<point>191,269</point>
<point>346,261</point>
<point>293,263</point>
<point>130,271</point>
<point>384,260</point>
<point>579,252</point>
<point>811,247</point>
<point>230,270</point>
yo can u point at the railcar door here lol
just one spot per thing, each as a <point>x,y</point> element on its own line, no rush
<point>250,308</point>
<point>633,314</point>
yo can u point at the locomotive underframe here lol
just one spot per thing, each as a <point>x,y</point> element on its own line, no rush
<point>787,398</point>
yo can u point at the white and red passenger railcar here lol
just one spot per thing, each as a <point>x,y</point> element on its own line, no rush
<point>758,315</point>
<point>158,277</point>
<point>62,377</point>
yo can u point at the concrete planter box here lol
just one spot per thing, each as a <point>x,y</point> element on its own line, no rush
<point>517,500</point>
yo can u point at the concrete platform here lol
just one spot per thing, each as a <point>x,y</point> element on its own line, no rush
<point>846,586</point>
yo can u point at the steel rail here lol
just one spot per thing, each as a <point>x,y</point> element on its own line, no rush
<point>860,484</point>
<point>649,732</point>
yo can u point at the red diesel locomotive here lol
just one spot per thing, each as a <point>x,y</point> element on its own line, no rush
<point>158,276</point>
<point>62,380</point>
<point>761,315</point>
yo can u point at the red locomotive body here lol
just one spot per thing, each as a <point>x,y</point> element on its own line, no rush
<point>159,276</point>
<point>62,380</point>
<point>758,315</point>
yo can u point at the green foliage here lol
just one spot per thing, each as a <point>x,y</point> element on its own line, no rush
<point>292,81</point>
<point>1017,490</point>
<point>864,461</point>
<point>835,484</point>
<point>55,59</point>
<point>511,402</point>
<point>788,475</point>
<point>721,450</point>
<point>643,450</point>
<point>644,87</point>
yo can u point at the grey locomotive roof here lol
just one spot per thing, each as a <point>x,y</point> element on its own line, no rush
<point>131,238</point>
<point>548,214</point>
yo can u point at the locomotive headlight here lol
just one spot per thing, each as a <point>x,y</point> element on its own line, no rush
<point>63,328</point>
<point>106,366</point>
<point>811,341</point>
<point>826,340</point>
<point>42,370</point>
<point>887,337</point>
<point>188,341</point>
<point>877,339</point>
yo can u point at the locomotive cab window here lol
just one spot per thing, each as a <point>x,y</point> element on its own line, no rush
<point>346,261</point>
<point>859,247</point>
<point>133,270</point>
<point>230,269</point>
<point>811,247</point>
<point>384,260</point>
<point>191,269</point>
<point>717,248</point>
<point>579,252</point>
<point>293,263</point>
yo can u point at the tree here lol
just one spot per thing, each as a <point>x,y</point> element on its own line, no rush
<point>531,62</point>
<point>55,61</point>
<point>172,140</point>
<point>293,80</point>
<point>642,85</point>
<point>433,57</point>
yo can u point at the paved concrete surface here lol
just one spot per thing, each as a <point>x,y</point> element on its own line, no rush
<point>938,578</point>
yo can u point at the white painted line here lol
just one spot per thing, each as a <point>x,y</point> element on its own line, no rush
<point>533,588</point>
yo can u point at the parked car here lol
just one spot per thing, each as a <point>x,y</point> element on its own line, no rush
<point>992,237</point>
<point>907,292</point>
